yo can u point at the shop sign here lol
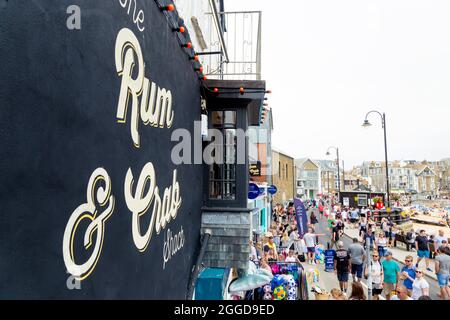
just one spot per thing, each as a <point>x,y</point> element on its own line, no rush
<point>255,169</point>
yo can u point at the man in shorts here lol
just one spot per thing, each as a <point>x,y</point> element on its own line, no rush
<point>342,266</point>
<point>442,266</point>
<point>310,242</point>
<point>422,249</point>
<point>391,272</point>
<point>358,256</point>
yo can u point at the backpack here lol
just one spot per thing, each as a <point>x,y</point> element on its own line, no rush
<point>409,236</point>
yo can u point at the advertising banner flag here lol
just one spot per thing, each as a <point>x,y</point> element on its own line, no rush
<point>301,217</point>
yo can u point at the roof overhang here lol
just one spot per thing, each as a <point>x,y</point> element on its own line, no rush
<point>229,94</point>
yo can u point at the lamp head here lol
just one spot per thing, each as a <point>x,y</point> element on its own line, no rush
<point>366,124</point>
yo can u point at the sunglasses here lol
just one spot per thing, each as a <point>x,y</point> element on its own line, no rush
<point>375,256</point>
<point>418,271</point>
<point>407,260</point>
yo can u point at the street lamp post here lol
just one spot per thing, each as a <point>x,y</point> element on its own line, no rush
<point>367,124</point>
<point>339,175</point>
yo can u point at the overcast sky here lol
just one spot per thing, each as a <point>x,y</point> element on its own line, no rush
<point>329,62</point>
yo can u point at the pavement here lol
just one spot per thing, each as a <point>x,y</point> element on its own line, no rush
<point>328,280</point>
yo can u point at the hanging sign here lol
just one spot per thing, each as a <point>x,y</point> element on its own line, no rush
<point>255,169</point>
<point>253,191</point>
<point>272,189</point>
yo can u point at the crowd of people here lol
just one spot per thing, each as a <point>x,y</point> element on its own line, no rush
<point>388,278</point>
<point>406,283</point>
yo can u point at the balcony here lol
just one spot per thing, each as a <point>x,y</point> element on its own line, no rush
<point>234,51</point>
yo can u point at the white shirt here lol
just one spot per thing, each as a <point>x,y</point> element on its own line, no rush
<point>309,239</point>
<point>382,242</point>
<point>418,285</point>
<point>344,215</point>
<point>438,240</point>
<point>376,272</point>
<point>290,259</point>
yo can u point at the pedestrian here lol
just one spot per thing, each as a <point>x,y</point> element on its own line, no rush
<point>313,219</point>
<point>442,267</point>
<point>291,256</point>
<point>439,238</point>
<point>422,249</point>
<point>265,265</point>
<point>401,294</point>
<point>345,215</point>
<point>357,258</point>
<point>408,274</point>
<point>342,266</point>
<point>354,217</point>
<point>381,244</point>
<point>431,247</point>
<point>270,244</point>
<point>385,227</point>
<point>376,274</point>
<point>321,209</point>
<point>310,241</point>
<point>340,226</point>
<point>335,235</point>
<point>285,240</point>
<point>369,237</point>
<point>253,254</point>
<point>357,292</point>
<point>362,227</point>
<point>410,239</point>
<point>391,272</point>
<point>420,285</point>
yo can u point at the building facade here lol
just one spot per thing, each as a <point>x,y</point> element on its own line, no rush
<point>283,175</point>
<point>307,178</point>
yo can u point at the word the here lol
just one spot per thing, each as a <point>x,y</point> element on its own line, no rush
<point>172,245</point>
<point>138,18</point>
<point>156,103</point>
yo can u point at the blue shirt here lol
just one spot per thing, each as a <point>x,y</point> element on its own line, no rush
<point>354,215</point>
<point>412,273</point>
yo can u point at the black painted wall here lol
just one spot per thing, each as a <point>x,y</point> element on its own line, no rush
<point>58,101</point>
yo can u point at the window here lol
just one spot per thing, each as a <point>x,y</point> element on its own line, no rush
<point>286,171</point>
<point>279,169</point>
<point>362,200</point>
<point>222,175</point>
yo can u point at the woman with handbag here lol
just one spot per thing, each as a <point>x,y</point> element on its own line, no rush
<point>376,273</point>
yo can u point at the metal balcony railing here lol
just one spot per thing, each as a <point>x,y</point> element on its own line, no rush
<point>234,51</point>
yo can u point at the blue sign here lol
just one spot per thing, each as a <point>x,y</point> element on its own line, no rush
<point>329,260</point>
<point>261,190</point>
<point>253,191</point>
<point>272,189</point>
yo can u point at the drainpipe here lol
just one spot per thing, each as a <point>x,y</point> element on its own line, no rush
<point>196,269</point>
